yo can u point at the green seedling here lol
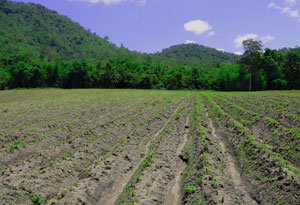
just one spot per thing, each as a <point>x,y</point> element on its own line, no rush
<point>16,144</point>
<point>189,189</point>
<point>28,158</point>
<point>271,120</point>
<point>244,122</point>
<point>36,198</point>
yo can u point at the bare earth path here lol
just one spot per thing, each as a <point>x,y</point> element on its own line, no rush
<point>174,195</point>
<point>232,167</point>
<point>118,187</point>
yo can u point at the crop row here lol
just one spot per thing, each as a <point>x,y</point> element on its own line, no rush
<point>133,137</point>
<point>273,179</point>
<point>80,151</point>
<point>129,192</point>
<point>282,139</point>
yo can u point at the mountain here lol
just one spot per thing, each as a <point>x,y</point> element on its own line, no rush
<point>195,54</point>
<point>36,32</point>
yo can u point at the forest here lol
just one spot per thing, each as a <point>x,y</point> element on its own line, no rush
<point>40,48</point>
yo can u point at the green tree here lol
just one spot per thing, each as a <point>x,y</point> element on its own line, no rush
<point>272,64</point>
<point>292,68</point>
<point>251,58</point>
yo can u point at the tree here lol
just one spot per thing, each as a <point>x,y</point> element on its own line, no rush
<point>252,57</point>
<point>292,69</point>
<point>272,64</point>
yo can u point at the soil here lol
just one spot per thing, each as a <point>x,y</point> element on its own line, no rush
<point>232,168</point>
<point>128,147</point>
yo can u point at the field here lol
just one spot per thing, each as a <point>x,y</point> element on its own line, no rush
<point>149,147</point>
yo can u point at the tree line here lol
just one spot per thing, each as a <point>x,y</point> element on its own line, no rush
<point>269,70</point>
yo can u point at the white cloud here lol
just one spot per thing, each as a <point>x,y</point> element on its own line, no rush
<point>273,5</point>
<point>293,13</point>
<point>290,12</point>
<point>197,27</point>
<point>189,41</point>
<point>238,41</point>
<point>238,53</point>
<point>290,2</point>
<point>266,39</point>
<point>109,2</point>
<point>212,33</point>
<point>221,49</point>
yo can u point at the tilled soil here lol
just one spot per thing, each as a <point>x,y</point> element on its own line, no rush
<point>103,147</point>
<point>156,181</point>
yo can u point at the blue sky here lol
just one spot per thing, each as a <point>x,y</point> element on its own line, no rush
<point>151,25</point>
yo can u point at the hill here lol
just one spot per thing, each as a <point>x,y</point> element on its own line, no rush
<point>36,32</point>
<point>195,54</point>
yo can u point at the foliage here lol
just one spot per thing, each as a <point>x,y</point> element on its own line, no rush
<point>195,55</point>
<point>40,48</point>
<point>36,198</point>
<point>251,57</point>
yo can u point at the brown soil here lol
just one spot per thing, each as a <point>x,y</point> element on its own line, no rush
<point>232,168</point>
<point>173,196</point>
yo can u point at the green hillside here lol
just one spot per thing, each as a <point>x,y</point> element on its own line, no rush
<point>40,48</point>
<point>36,32</point>
<point>194,54</point>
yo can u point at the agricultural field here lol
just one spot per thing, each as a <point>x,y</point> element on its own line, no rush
<point>101,146</point>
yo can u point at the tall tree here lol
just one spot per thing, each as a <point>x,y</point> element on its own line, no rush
<point>252,57</point>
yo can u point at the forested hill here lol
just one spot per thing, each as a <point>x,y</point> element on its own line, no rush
<point>194,54</point>
<point>36,32</point>
<point>40,48</point>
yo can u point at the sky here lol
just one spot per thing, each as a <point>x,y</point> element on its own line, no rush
<point>152,25</point>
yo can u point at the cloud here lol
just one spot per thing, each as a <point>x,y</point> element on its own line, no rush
<point>238,41</point>
<point>212,33</point>
<point>189,41</point>
<point>290,2</point>
<point>220,49</point>
<point>198,27</point>
<point>290,12</point>
<point>238,53</point>
<point>273,5</point>
<point>293,13</point>
<point>266,39</point>
<point>109,2</point>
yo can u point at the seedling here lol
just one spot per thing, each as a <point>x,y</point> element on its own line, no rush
<point>189,189</point>
<point>16,144</point>
<point>28,158</point>
<point>36,198</point>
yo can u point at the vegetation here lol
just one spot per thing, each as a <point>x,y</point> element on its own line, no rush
<point>40,48</point>
<point>196,55</point>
